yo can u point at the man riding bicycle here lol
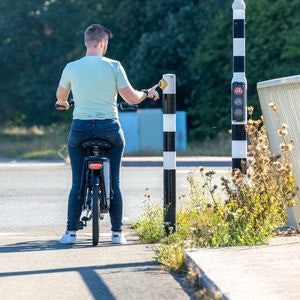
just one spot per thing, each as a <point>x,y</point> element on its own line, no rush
<point>95,82</point>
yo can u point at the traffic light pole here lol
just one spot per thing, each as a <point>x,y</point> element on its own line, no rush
<point>239,88</point>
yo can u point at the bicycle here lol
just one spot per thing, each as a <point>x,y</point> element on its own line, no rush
<point>95,189</point>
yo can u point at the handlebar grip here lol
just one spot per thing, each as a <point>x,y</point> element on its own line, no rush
<point>123,106</point>
<point>59,107</point>
<point>62,107</point>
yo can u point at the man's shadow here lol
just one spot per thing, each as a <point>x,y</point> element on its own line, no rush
<point>46,245</point>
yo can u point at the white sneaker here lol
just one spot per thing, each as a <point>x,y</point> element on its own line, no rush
<point>68,238</point>
<point>118,237</point>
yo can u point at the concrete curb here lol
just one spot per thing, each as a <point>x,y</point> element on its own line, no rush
<point>204,281</point>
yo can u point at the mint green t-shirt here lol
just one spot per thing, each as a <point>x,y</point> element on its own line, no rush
<point>94,82</point>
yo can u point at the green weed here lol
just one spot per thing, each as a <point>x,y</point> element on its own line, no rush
<point>170,253</point>
<point>150,224</point>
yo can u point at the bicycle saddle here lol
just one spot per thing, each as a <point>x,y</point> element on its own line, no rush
<point>101,144</point>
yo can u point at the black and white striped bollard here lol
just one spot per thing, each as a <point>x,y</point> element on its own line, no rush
<point>239,88</point>
<point>168,85</point>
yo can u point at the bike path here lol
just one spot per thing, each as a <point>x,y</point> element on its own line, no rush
<point>35,266</point>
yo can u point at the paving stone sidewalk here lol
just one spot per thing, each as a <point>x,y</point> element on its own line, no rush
<point>242,273</point>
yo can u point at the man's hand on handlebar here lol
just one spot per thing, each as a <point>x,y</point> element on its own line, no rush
<point>62,105</point>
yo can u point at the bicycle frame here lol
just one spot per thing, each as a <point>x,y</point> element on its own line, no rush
<point>96,172</point>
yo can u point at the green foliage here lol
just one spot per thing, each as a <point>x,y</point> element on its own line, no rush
<point>272,51</point>
<point>35,46</point>
<point>149,225</point>
<point>211,73</point>
<point>191,38</point>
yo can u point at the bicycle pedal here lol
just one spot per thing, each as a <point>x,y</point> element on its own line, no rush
<point>104,209</point>
<point>80,225</point>
<point>85,218</point>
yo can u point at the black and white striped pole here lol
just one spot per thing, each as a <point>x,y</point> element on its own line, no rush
<point>168,86</point>
<point>239,88</point>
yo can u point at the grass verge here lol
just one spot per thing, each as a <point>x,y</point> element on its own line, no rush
<point>218,146</point>
<point>33,142</point>
<point>50,143</point>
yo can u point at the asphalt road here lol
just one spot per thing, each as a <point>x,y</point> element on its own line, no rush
<point>36,195</point>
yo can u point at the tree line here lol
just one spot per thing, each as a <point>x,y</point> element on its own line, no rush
<point>191,38</point>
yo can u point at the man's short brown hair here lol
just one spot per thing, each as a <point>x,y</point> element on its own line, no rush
<point>95,33</point>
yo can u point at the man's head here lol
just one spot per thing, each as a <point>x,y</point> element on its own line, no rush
<point>96,36</point>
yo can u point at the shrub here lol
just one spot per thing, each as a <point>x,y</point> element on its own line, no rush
<point>254,202</point>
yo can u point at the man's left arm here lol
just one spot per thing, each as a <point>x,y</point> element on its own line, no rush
<point>62,95</point>
<point>64,88</point>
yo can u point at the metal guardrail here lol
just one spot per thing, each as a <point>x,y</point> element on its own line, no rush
<point>285,94</point>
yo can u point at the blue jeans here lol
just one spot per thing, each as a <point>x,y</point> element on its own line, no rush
<point>111,131</point>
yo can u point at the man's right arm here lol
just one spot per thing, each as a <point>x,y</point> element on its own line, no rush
<point>128,93</point>
<point>132,96</point>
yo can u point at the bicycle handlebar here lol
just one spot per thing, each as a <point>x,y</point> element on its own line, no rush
<point>122,106</point>
<point>59,107</point>
<point>62,107</point>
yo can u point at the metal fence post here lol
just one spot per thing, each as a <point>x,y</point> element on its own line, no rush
<point>169,150</point>
<point>239,88</point>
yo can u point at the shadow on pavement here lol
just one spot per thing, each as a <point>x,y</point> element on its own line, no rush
<point>90,276</point>
<point>44,245</point>
<point>39,245</point>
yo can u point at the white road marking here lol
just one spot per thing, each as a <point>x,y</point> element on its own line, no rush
<point>30,165</point>
<point>218,171</point>
<point>5,234</point>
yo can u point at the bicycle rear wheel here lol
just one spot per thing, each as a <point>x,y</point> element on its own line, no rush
<point>95,214</point>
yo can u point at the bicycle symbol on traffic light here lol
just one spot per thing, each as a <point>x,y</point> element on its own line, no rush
<point>238,90</point>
